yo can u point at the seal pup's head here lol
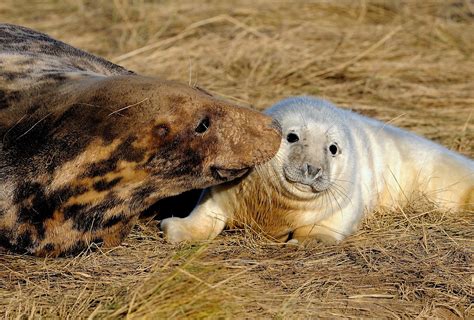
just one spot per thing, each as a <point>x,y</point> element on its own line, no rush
<point>315,146</point>
<point>303,182</point>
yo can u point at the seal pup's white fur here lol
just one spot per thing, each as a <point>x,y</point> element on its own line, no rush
<point>333,166</point>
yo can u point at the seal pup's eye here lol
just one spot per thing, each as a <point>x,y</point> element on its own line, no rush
<point>203,125</point>
<point>333,149</point>
<point>292,137</point>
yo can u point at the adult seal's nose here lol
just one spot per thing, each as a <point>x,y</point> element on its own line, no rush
<point>311,172</point>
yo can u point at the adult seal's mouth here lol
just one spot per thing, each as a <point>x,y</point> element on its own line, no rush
<point>225,174</point>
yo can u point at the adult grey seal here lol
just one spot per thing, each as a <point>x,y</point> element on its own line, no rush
<point>332,167</point>
<point>86,146</point>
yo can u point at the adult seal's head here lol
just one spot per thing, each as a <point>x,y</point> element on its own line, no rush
<point>184,134</point>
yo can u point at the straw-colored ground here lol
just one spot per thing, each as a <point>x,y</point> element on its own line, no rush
<point>407,62</point>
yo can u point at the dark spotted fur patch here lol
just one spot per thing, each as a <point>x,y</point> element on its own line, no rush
<point>142,192</point>
<point>103,185</point>
<point>23,242</point>
<point>5,241</point>
<point>49,247</point>
<point>8,97</point>
<point>3,100</point>
<point>87,217</point>
<point>13,76</point>
<point>101,168</point>
<point>125,151</point>
<point>5,237</point>
<point>190,162</point>
<point>77,248</point>
<point>113,221</point>
<point>56,76</point>
<point>185,162</point>
<point>41,134</point>
<point>35,207</point>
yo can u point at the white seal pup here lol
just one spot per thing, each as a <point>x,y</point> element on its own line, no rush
<point>333,166</point>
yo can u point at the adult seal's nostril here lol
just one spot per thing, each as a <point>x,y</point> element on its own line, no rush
<point>311,171</point>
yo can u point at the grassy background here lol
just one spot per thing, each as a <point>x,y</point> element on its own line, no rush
<point>407,62</point>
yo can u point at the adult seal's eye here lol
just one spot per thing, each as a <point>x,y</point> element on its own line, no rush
<point>292,137</point>
<point>333,149</point>
<point>203,125</point>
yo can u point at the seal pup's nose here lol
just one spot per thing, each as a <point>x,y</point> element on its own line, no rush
<point>311,171</point>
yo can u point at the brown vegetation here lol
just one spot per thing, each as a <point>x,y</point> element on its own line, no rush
<point>407,62</point>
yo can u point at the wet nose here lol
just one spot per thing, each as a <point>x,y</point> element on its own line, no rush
<point>311,171</point>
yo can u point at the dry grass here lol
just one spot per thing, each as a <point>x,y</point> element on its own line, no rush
<point>408,62</point>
